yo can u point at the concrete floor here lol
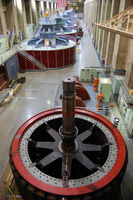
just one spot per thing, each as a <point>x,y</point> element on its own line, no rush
<point>37,95</point>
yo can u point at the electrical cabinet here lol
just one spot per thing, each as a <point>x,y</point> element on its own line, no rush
<point>105,87</point>
<point>12,67</point>
<point>125,110</point>
<point>29,30</point>
<point>88,74</point>
<point>116,84</point>
<point>4,44</point>
<point>131,128</point>
<point>82,74</point>
<point>128,117</point>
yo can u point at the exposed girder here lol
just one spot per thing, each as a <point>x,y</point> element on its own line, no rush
<point>121,23</point>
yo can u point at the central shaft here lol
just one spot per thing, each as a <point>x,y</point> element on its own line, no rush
<point>68,129</point>
<point>68,106</point>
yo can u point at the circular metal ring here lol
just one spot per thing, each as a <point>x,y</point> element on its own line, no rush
<point>86,185</point>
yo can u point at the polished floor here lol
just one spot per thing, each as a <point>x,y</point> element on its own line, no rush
<point>37,95</point>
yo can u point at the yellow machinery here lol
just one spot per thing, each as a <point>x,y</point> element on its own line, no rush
<point>10,184</point>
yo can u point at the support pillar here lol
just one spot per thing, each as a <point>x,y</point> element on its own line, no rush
<point>129,74</point>
<point>98,21</point>
<point>3,20</point>
<point>111,36</point>
<point>121,43</point>
<point>129,65</point>
<point>22,18</point>
<point>28,10</point>
<point>95,19</point>
<point>42,9</point>
<point>50,9</point>
<point>34,12</point>
<point>55,8</point>
<point>12,20</point>
<point>100,34</point>
<point>105,33</point>
<point>38,9</point>
<point>47,8</point>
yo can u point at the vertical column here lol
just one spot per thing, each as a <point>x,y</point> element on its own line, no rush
<point>52,8</point>
<point>129,64</point>
<point>101,20</point>
<point>121,43</point>
<point>12,20</point>
<point>105,33</point>
<point>44,3</point>
<point>85,11</point>
<point>47,7</point>
<point>3,20</point>
<point>98,21</point>
<point>92,15</point>
<point>22,17</point>
<point>42,9</point>
<point>15,22</point>
<point>111,36</point>
<point>55,6</point>
<point>95,18</point>
<point>28,10</point>
<point>129,74</point>
<point>88,14</point>
<point>34,11</point>
<point>38,9</point>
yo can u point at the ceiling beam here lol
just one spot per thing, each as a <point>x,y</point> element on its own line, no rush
<point>121,23</point>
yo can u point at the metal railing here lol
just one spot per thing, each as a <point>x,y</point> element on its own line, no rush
<point>69,37</point>
<point>32,59</point>
<point>125,92</point>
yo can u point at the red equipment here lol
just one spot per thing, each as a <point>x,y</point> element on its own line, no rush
<point>79,102</point>
<point>81,91</point>
<point>99,101</point>
<point>95,86</point>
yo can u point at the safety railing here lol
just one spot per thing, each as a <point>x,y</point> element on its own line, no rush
<point>69,37</point>
<point>125,92</point>
<point>32,59</point>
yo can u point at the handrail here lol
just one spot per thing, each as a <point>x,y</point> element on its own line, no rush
<point>31,58</point>
<point>125,91</point>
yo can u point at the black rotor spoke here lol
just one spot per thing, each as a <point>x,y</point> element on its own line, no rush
<point>45,145</point>
<point>85,161</point>
<point>91,147</point>
<point>86,134</point>
<point>49,159</point>
<point>53,133</point>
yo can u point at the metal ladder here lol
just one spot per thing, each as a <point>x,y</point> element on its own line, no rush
<point>32,59</point>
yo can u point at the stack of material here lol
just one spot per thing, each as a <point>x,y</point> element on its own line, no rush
<point>13,86</point>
